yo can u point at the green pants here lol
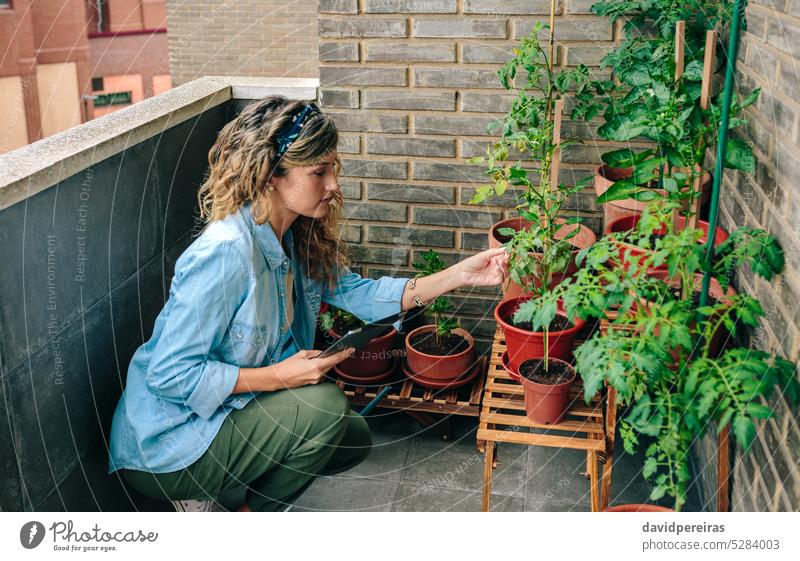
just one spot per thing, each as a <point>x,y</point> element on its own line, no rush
<point>276,445</point>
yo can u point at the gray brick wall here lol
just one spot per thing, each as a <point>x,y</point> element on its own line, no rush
<point>416,81</point>
<point>768,477</point>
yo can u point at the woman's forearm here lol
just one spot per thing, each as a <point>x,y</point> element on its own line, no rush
<point>430,287</point>
<point>263,379</point>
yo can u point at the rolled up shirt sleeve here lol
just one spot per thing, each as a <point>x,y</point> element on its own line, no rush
<point>368,299</point>
<point>207,290</point>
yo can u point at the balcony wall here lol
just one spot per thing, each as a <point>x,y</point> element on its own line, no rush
<point>92,221</point>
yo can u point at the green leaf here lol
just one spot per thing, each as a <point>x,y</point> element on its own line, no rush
<point>745,431</point>
<point>739,155</point>
<point>650,467</point>
<point>693,71</point>
<point>658,492</point>
<point>619,158</point>
<point>622,189</point>
<point>621,128</point>
<point>758,410</point>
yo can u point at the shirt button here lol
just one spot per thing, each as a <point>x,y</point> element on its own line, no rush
<point>239,336</point>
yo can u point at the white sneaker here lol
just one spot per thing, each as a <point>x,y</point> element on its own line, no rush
<point>197,506</point>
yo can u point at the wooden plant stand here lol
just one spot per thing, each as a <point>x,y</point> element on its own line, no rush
<point>585,427</point>
<point>423,404</point>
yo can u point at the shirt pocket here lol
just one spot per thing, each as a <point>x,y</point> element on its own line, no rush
<point>249,344</point>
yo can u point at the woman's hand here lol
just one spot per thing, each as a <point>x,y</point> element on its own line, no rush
<point>302,368</point>
<point>487,268</point>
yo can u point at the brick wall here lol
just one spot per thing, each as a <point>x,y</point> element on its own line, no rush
<point>242,38</point>
<point>768,478</point>
<point>413,85</point>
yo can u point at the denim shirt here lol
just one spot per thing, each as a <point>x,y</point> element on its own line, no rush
<point>226,309</point>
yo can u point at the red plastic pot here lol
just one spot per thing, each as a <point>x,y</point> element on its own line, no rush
<point>439,367</point>
<point>522,344</point>
<point>714,291</point>
<point>372,360</point>
<point>546,403</point>
<point>638,508</point>
<point>605,177</point>
<point>627,223</point>
<point>585,238</point>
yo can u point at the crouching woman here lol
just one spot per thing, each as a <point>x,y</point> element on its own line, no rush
<point>227,391</point>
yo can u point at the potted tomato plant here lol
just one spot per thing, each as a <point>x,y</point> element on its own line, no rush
<point>540,247</point>
<point>443,351</point>
<point>659,352</point>
<point>647,99</point>
<point>528,131</point>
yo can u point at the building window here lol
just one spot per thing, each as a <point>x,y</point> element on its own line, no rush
<point>97,84</point>
<point>98,15</point>
<point>115,98</point>
<point>5,4</point>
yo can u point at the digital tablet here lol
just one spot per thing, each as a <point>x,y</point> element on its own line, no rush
<point>359,338</point>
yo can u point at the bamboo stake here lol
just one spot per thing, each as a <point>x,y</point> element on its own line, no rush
<point>705,95</point>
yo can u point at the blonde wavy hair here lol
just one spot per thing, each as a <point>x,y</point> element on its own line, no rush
<point>244,158</point>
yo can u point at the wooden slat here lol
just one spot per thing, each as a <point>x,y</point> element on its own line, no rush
<point>524,421</point>
<point>405,392</point>
<point>533,439</point>
<point>575,411</point>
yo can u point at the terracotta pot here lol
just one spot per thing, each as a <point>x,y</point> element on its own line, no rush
<point>605,177</point>
<point>370,361</point>
<point>714,291</point>
<point>522,344</point>
<point>627,223</point>
<point>585,238</point>
<point>439,367</point>
<point>545,403</point>
<point>637,508</point>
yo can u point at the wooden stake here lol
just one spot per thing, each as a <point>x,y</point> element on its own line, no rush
<point>680,38</point>
<point>705,96</point>
<point>723,470</point>
<point>552,33</point>
<point>557,110</point>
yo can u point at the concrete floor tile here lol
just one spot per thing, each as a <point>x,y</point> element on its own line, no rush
<point>343,494</point>
<point>458,465</point>
<point>419,498</point>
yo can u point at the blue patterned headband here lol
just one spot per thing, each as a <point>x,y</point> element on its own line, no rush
<point>284,139</point>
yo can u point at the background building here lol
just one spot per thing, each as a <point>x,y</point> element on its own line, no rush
<point>68,62</point>
<point>242,38</point>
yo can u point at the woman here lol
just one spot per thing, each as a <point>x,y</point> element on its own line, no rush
<point>227,390</point>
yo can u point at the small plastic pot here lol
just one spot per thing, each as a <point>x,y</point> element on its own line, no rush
<point>546,404</point>
<point>439,367</point>
<point>522,344</point>
<point>370,361</point>
<point>585,238</point>
<point>627,223</point>
<point>638,508</point>
<point>605,177</point>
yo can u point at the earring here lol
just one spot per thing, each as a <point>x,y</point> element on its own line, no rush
<point>270,188</point>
